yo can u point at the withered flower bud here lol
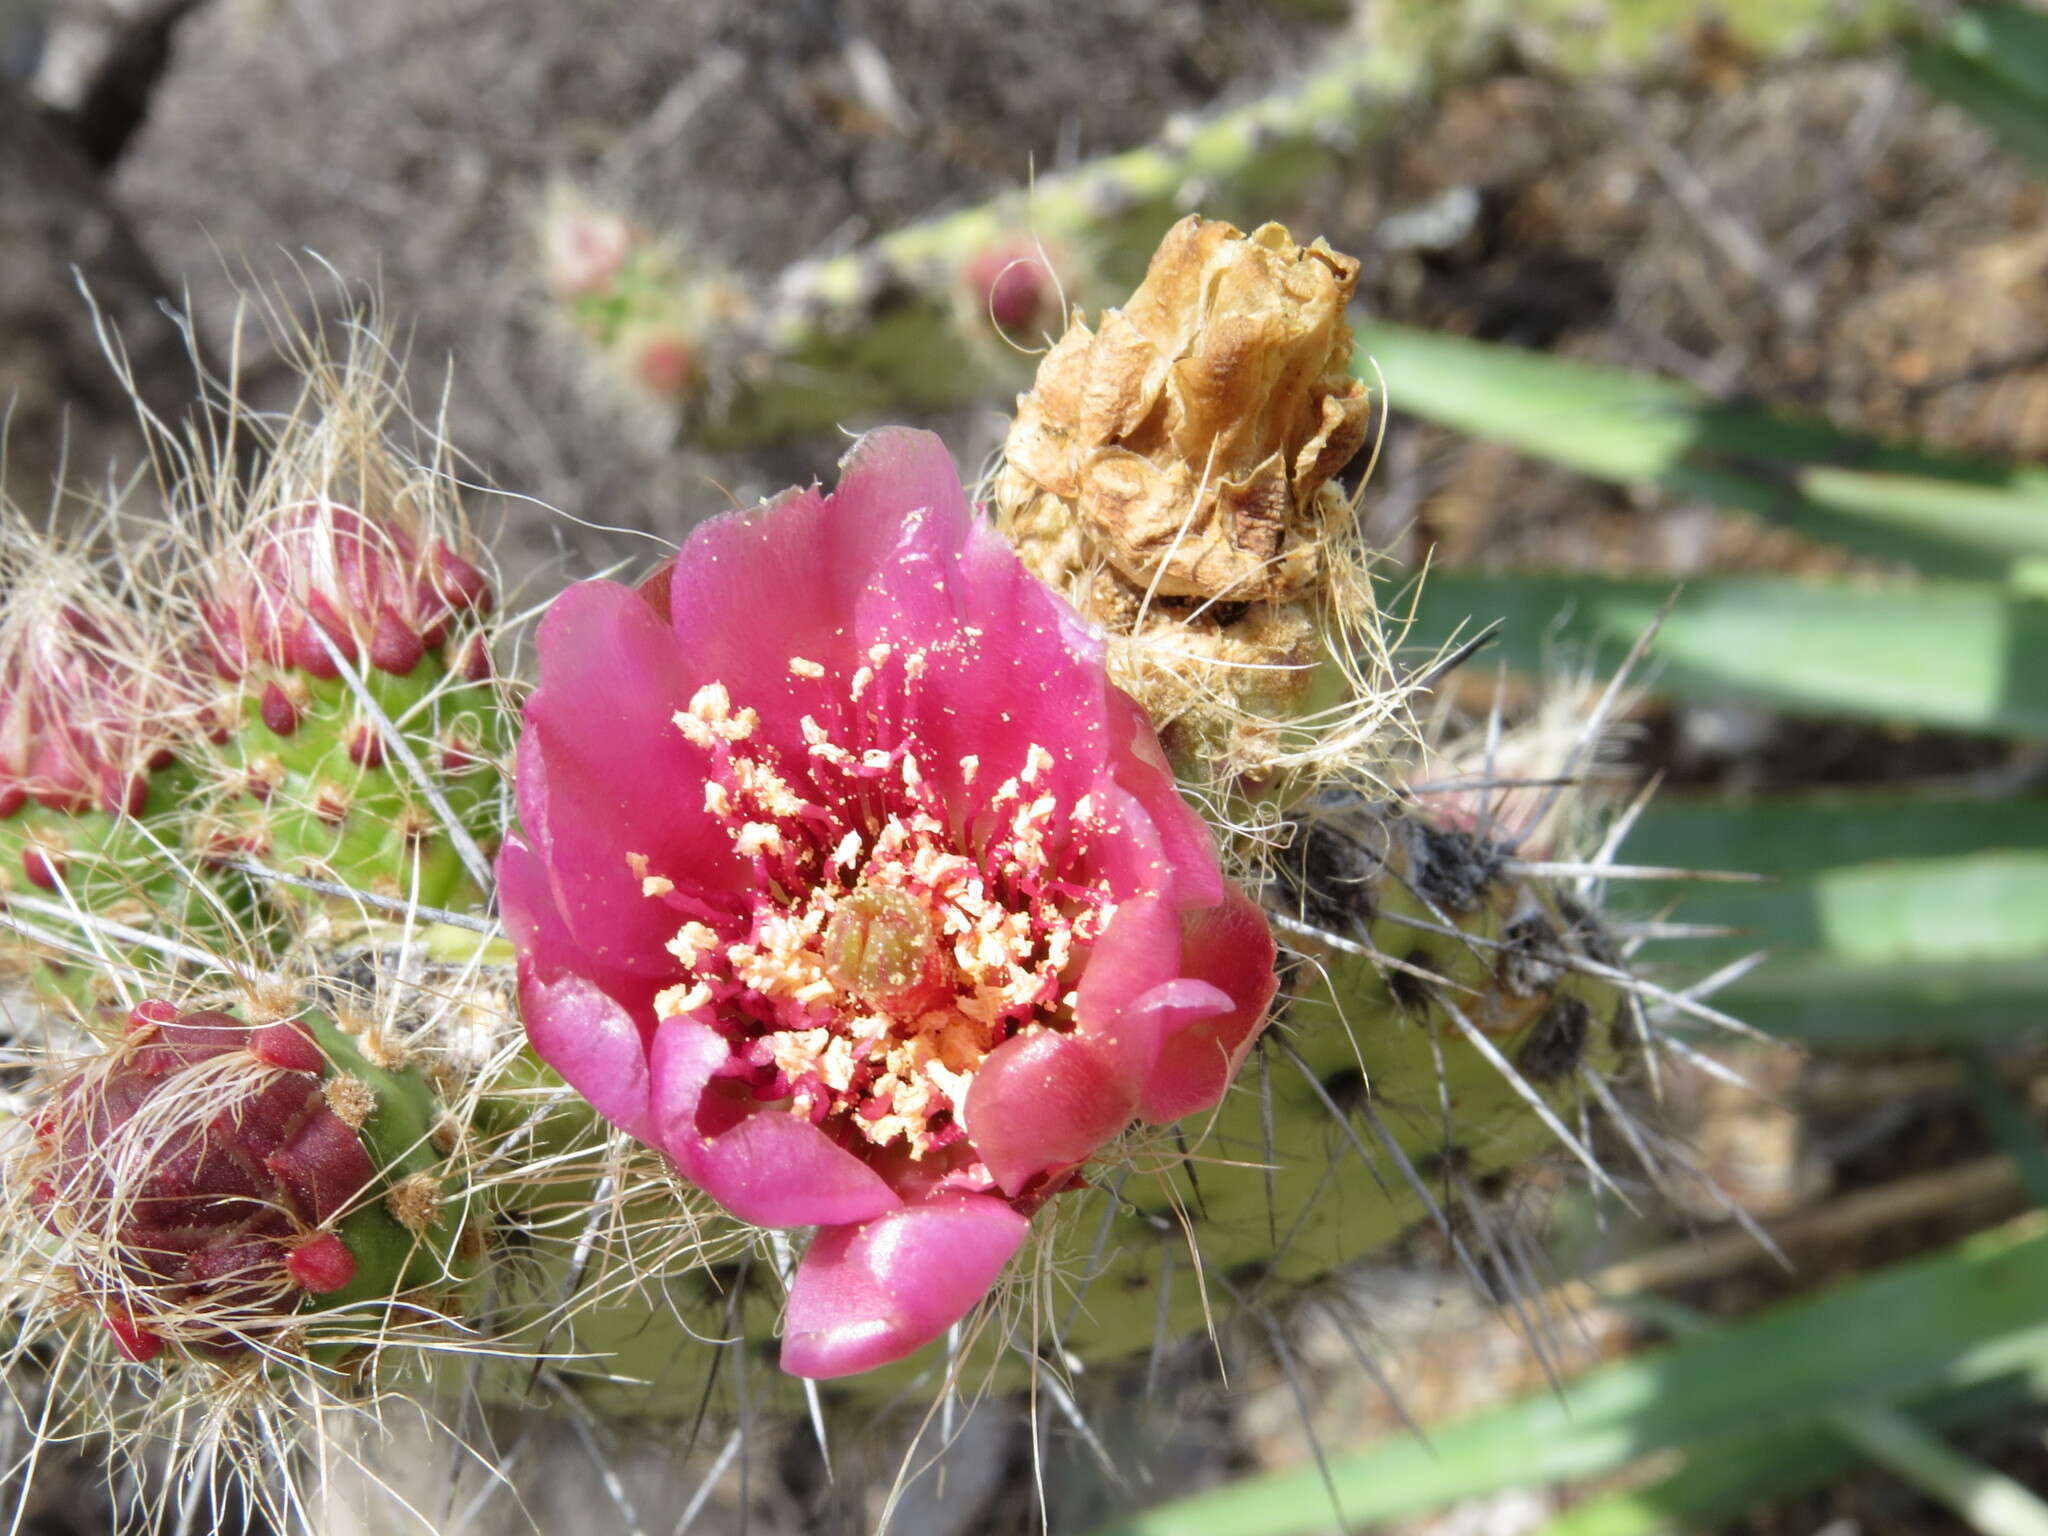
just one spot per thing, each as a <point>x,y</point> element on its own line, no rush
<point>1171,474</point>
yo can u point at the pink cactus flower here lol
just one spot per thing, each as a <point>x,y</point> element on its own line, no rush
<point>849,881</point>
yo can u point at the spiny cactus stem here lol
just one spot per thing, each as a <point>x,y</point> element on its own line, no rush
<point>822,345</point>
<point>474,863</point>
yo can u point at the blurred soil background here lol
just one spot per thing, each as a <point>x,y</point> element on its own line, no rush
<point>1809,230</point>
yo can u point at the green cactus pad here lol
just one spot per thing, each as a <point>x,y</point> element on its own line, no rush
<point>125,869</point>
<point>1272,1192</point>
<point>328,798</point>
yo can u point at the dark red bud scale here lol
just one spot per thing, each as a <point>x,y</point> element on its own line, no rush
<point>65,800</point>
<point>473,661</point>
<point>459,583</point>
<point>394,646</point>
<point>144,1017</point>
<point>12,798</point>
<point>278,710</point>
<point>135,1342</point>
<point>306,649</point>
<point>366,745</point>
<point>43,868</point>
<point>320,1264</point>
<point>123,794</point>
<point>284,1046</point>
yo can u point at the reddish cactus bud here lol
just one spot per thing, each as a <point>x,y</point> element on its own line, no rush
<point>583,249</point>
<point>197,1170</point>
<point>460,583</point>
<point>395,648</point>
<point>366,745</point>
<point>123,794</point>
<point>145,1016</point>
<point>331,804</point>
<point>89,702</point>
<point>319,578</point>
<point>473,661</point>
<point>284,1046</point>
<point>43,868</point>
<point>664,363</point>
<point>1010,283</point>
<point>135,1343</point>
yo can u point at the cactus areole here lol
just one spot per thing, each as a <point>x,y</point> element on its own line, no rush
<point>848,880</point>
<point>218,1184</point>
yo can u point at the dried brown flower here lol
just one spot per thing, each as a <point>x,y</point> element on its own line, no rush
<point>1171,474</point>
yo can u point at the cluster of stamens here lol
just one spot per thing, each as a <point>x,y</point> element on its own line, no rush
<point>889,941</point>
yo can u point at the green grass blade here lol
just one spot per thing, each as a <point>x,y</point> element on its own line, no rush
<point>1948,515</point>
<point>1957,654</point>
<point>2011,40</point>
<point>1791,836</point>
<point>1970,1314</point>
<point>1986,908</point>
<point>1993,63</point>
<point>2007,1120</point>
<point>2014,116</point>
<point>1822,1002</point>
<point>1992,1503</point>
<point>1736,1476</point>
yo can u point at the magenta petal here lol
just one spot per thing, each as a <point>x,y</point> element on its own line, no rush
<point>1043,1102</point>
<point>1123,849</point>
<point>867,1295</point>
<point>1140,950</point>
<point>1141,768</point>
<point>1230,947</point>
<point>589,1037</point>
<point>812,563</point>
<point>895,474</point>
<point>601,769</point>
<point>586,1033</point>
<point>771,1168</point>
<point>994,690</point>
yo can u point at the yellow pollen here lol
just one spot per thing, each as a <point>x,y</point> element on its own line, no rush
<point>710,718</point>
<point>758,837</point>
<point>691,940</point>
<point>970,765</point>
<point>685,997</point>
<point>879,653</point>
<point>803,668</point>
<point>859,684</point>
